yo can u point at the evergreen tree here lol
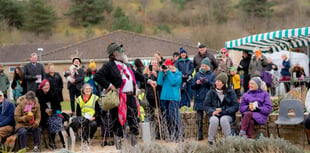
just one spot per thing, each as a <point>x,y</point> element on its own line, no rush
<point>12,12</point>
<point>122,22</point>
<point>257,8</point>
<point>85,12</point>
<point>39,18</point>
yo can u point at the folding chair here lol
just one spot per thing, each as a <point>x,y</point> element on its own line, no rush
<point>284,119</point>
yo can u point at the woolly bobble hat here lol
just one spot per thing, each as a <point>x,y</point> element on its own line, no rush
<point>206,61</point>
<point>182,50</point>
<point>169,62</point>
<point>222,77</point>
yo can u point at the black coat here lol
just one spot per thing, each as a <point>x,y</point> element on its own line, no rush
<point>79,79</point>
<point>30,73</point>
<point>109,73</point>
<point>43,99</point>
<point>229,104</point>
<point>56,84</point>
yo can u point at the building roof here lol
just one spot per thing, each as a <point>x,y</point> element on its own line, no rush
<point>134,44</point>
<point>21,52</point>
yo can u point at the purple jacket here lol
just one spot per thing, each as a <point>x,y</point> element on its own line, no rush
<point>264,105</point>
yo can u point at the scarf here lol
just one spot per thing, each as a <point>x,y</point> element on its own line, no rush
<point>28,107</point>
<point>85,98</point>
<point>220,94</point>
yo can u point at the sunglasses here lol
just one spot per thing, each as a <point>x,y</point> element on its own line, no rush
<point>223,52</point>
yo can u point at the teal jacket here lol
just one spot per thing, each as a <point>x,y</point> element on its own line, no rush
<point>4,83</point>
<point>171,85</point>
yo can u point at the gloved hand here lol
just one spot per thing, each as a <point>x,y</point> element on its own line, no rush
<point>204,80</point>
<point>58,112</point>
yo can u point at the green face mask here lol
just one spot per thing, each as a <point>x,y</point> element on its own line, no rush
<point>120,50</point>
<point>203,71</point>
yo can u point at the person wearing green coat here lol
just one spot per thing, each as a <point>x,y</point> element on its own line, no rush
<point>4,81</point>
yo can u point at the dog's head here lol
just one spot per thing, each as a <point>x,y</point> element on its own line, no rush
<point>67,118</point>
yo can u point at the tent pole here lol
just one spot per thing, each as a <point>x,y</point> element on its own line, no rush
<point>308,56</point>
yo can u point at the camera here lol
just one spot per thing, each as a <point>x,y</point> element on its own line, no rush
<point>164,67</point>
<point>151,67</point>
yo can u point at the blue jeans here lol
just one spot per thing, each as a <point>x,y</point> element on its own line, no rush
<point>186,94</point>
<point>74,92</point>
<point>171,113</point>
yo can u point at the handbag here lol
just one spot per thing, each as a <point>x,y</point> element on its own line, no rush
<point>109,100</point>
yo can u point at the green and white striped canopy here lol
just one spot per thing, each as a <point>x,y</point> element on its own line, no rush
<point>272,41</point>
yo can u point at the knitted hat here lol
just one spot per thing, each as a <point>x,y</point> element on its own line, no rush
<point>232,69</point>
<point>222,77</point>
<point>182,50</point>
<point>92,64</point>
<point>113,47</point>
<point>169,62</point>
<point>258,81</point>
<point>206,61</point>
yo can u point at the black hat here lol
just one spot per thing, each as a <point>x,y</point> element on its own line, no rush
<point>75,59</point>
<point>202,46</point>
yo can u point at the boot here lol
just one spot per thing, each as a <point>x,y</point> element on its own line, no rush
<point>200,131</point>
<point>118,143</point>
<point>133,139</point>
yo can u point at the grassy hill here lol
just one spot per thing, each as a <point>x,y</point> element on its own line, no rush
<point>162,18</point>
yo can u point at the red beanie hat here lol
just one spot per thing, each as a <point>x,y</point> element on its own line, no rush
<point>42,84</point>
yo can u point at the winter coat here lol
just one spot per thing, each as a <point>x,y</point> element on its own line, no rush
<point>79,79</point>
<point>256,67</point>
<point>171,84</point>
<point>200,90</point>
<point>186,66</point>
<point>30,73</point>
<point>229,105</point>
<point>149,89</point>
<point>56,85</point>
<point>223,66</point>
<point>110,74</point>
<point>19,87</point>
<point>4,83</point>
<point>285,71</point>
<point>7,114</point>
<point>199,57</point>
<point>244,65</point>
<point>235,81</point>
<point>20,115</point>
<point>269,67</point>
<point>264,105</point>
<point>43,100</point>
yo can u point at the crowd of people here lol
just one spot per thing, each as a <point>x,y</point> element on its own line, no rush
<point>217,87</point>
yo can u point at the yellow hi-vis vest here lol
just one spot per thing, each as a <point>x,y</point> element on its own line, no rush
<point>89,106</point>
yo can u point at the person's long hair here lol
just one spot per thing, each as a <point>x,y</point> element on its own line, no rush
<point>19,75</point>
<point>224,88</point>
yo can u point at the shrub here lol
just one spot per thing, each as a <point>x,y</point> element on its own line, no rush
<point>234,144</point>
